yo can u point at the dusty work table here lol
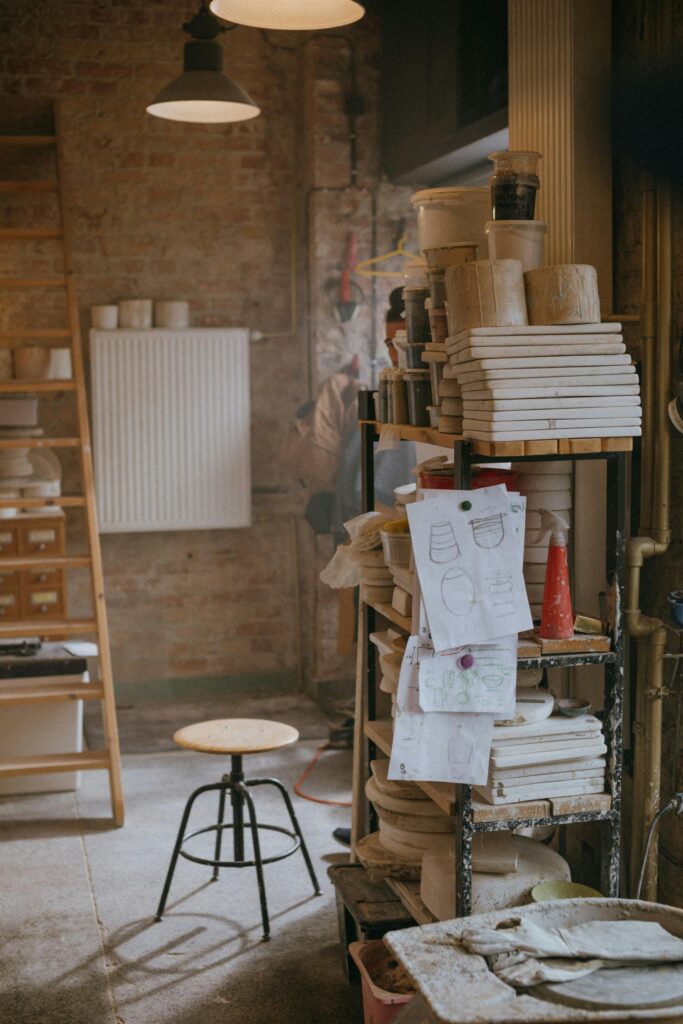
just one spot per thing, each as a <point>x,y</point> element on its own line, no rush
<point>457,987</point>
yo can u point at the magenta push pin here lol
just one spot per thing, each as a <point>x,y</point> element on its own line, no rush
<point>466,661</point>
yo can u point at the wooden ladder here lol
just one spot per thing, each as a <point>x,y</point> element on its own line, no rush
<point>59,688</point>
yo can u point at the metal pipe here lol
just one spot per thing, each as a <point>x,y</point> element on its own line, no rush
<point>651,633</point>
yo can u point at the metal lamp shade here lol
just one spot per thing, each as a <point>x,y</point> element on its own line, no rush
<point>288,14</point>
<point>203,97</point>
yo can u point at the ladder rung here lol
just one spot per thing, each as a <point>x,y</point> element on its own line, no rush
<point>27,386</point>
<point>58,628</point>
<point>44,692</point>
<point>30,233</point>
<point>66,501</point>
<point>37,332</point>
<point>40,442</point>
<point>32,282</point>
<point>27,140</point>
<point>39,764</point>
<point>28,186</point>
<point>11,562</point>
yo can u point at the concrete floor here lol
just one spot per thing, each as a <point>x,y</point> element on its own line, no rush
<point>78,941</point>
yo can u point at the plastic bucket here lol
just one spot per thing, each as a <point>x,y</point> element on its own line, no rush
<point>415,274</point>
<point>379,1006</point>
<point>451,216</point>
<point>514,184</point>
<point>438,324</point>
<point>521,240</point>
<point>441,256</point>
<point>397,547</point>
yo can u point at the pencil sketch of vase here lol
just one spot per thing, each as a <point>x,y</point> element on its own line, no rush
<point>457,591</point>
<point>443,547</point>
<point>488,531</point>
<point>501,589</point>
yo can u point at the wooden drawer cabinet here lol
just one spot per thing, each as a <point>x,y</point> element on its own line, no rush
<point>9,540</point>
<point>42,603</point>
<point>32,593</point>
<point>10,605</point>
<point>9,581</point>
<point>41,538</point>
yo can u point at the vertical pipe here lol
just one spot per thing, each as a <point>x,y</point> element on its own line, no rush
<point>648,339</point>
<point>656,646</point>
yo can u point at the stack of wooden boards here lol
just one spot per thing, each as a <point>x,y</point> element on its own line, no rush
<point>558,756</point>
<point>536,382</point>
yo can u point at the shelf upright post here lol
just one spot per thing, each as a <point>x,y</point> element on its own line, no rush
<point>364,749</point>
<point>464,827</point>
<point>614,672</point>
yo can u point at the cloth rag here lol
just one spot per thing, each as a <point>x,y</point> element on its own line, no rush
<point>525,954</point>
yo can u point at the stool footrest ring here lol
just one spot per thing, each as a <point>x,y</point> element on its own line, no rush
<point>296,844</point>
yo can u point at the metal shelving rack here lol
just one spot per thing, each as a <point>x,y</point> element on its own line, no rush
<point>472,816</point>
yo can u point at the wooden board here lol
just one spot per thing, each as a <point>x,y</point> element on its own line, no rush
<point>526,414</point>
<point>568,433</point>
<point>556,381</point>
<point>537,330</point>
<point>409,894</point>
<point>581,391</point>
<point>517,405</point>
<point>530,347</point>
<point>521,428</point>
<point>580,643</point>
<point>546,363</point>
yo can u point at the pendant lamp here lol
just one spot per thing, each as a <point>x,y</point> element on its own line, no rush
<point>289,14</point>
<point>203,94</point>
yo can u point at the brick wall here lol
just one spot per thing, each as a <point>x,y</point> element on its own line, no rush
<point>214,214</point>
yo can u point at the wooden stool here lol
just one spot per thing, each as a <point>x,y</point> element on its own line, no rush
<point>236,737</point>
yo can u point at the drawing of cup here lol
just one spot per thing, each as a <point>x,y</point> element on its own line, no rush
<point>460,749</point>
<point>500,586</point>
<point>443,547</point>
<point>488,531</point>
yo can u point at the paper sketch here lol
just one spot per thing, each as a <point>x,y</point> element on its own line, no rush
<point>473,678</point>
<point>443,547</point>
<point>479,594</point>
<point>440,746</point>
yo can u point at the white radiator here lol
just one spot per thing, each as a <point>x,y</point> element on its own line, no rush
<point>171,425</point>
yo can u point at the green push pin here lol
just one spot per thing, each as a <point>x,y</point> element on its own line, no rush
<point>466,506</point>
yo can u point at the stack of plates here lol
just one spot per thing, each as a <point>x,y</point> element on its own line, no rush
<point>545,485</point>
<point>556,757</point>
<point>450,396</point>
<point>535,383</point>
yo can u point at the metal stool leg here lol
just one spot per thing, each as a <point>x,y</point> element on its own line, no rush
<point>237,801</point>
<point>295,824</point>
<point>179,840</point>
<point>257,858</point>
<point>219,833</point>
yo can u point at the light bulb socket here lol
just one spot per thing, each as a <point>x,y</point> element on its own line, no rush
<point>203,55</point>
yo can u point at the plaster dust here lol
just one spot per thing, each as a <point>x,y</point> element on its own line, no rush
<point>432,956</point>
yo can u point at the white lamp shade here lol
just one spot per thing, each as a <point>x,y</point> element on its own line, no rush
<point>288,14</point>
<point>203,97</point>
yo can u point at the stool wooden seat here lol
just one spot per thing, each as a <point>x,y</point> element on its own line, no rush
<point>236,736</point>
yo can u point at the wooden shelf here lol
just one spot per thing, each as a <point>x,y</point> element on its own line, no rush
<point>20,387</point>
<point>40,442</point>
<point>32,282</point>
<point>28,186</point>
<point>402,621</point>
<point>64,501</point>
<point>47,628</point>
<point>28,233</point>
<point>37,332</point>
<point>52,689</point>
<point>510,449</point>
<point>27,140</point>
<point>12,563</point>
<point>409,895</point>
<point>422,435</point>
<point>38,764</point>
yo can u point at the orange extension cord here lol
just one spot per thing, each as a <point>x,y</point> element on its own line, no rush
<point>304,775</point>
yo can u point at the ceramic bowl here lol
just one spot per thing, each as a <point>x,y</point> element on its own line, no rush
<point>573,708</point>
<point>546,891</point>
